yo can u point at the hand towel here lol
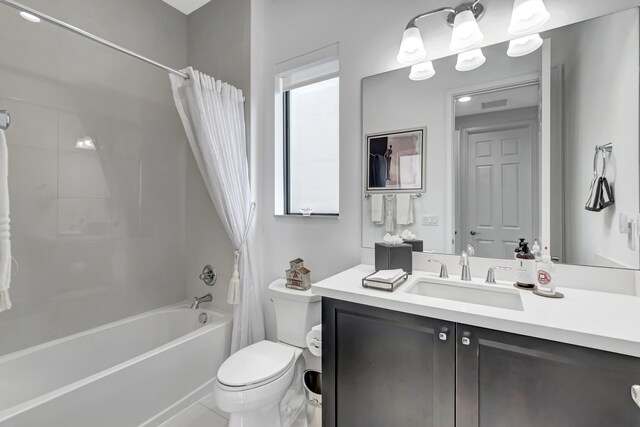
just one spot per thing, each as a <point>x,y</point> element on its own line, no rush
<point>5,242</point>
<point>387,275</point>
<point>404,206</point>
<point>377,216</point>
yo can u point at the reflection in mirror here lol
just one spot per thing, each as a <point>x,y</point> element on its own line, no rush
<point>497,190</point>
<point>395,161</point>
<point>512,145</point>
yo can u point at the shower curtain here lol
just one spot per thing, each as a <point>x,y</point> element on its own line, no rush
<point>212,114</point>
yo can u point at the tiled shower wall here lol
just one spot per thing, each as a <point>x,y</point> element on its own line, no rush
<point>98,234</point>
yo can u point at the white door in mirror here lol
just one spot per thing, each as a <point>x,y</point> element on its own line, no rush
<point>635,394</point>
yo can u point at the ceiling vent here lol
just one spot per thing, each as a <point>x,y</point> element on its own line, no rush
<point>494,104</point>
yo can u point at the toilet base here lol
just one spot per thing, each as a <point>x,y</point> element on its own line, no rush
<point>263,417</point>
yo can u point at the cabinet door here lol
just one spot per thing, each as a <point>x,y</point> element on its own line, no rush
<point>384,368</point>
<point>507,380</point>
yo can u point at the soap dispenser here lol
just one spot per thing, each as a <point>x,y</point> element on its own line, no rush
<point>526,272</point>
<point>518,248</point>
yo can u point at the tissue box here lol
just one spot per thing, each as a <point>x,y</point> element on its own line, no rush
<point>390,257</point>
<point>417,245</point>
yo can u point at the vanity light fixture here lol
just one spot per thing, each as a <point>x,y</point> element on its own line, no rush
<point>422,71</point>
<point>29,17</point>
<point>464,99</point>
<point>527,16</point>
<point>466,33</point>
<point>466,37</point>
<point>470,60</point>
<point>524,45</point>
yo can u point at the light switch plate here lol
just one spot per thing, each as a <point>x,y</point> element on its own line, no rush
<point>430,220</point>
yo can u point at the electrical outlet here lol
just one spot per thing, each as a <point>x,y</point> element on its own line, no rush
<point>430,220</point>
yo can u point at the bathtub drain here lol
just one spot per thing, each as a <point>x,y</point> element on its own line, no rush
<point>203,317</point>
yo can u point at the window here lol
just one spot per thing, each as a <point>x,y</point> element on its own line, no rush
<point>307,140</point>
<point>312,146</point>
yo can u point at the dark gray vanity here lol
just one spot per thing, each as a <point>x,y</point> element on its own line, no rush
<point>388,368</point>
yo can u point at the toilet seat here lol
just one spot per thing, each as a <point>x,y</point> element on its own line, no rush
<point>256,365</point>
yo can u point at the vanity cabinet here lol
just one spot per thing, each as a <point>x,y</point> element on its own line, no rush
<point>385,368</point>
<point>506,380</point>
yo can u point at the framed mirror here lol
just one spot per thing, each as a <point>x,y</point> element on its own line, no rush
<point>544,146</point>
<point>395,161</point>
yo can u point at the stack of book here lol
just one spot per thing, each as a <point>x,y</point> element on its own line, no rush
<point>385,280</point>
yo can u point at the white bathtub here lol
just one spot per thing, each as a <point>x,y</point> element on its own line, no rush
<point>137,371</point>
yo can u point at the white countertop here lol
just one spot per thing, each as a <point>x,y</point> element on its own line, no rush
<point>599,320</point>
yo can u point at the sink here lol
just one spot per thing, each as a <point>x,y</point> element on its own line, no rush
<point>488,295</point>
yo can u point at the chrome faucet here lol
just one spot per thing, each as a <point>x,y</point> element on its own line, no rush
<point>464,262</point>
<point>444,274</point>
<point>197,301</point>
<point>491,277</point>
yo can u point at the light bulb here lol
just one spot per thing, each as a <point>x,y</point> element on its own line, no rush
<point>422,71</point>
<point>464,99</point>
<point>527,15</point>
<point>524,45</point>
<point>466,32</point>
<point>85,143</point>
<point>470,60</point>
<point>411,49</point>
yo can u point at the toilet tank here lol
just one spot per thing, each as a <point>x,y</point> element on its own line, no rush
<point>296,313</point>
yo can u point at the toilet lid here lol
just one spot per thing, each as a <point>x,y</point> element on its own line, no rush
<point>255,364</point>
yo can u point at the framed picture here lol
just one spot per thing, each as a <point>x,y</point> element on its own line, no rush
<point>395,161</point>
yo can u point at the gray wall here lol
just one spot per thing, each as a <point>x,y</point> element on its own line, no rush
<point>99,235</point>
<point>218,45</point>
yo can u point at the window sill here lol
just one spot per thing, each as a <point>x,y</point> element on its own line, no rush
<point>334,216</point>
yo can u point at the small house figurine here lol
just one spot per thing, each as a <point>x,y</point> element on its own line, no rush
<point>298,277</point>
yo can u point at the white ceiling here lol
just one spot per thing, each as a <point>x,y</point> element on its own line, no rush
<point>187,6</point>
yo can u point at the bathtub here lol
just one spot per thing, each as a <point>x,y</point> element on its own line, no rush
<point>135,372</point>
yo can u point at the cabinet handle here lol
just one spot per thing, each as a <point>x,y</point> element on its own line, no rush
<point>635,393</point>
<point>442,336</point>
<point>466,341</point>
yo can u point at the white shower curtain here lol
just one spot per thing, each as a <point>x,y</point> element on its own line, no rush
<point>212,113</point>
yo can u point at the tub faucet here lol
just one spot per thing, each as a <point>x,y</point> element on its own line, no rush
<point>197,301</point>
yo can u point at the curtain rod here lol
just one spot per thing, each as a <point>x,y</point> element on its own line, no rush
<point>88,35</point>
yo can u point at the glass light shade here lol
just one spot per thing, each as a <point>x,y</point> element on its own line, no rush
<point>524,45</point>
<point>411,49</point>
<point>466,32</point>
<point>470,60</point>
<point>422,71</point>
<point>527,15</point>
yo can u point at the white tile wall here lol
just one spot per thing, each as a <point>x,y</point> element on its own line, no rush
<point>99,235</point>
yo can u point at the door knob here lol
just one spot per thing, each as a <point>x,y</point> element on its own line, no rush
<point>474,233</point>
<point>442,336</point>
<point>635,393</point>
<point>466,341</point>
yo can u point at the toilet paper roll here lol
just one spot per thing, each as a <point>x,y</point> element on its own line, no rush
<point>314,340</point>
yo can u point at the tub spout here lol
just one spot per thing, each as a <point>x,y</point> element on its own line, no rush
<point>197,301</point>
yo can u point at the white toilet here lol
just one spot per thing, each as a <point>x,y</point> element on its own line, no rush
<point>252,381</point>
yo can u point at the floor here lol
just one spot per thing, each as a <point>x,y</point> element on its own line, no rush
<point>204,414</point>
<point>199,414</point>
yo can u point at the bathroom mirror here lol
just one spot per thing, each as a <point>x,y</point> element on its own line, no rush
<point>395,161</point>
<point>523,146</point>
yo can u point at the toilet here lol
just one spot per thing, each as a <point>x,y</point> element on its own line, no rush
<point>252,381</point>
